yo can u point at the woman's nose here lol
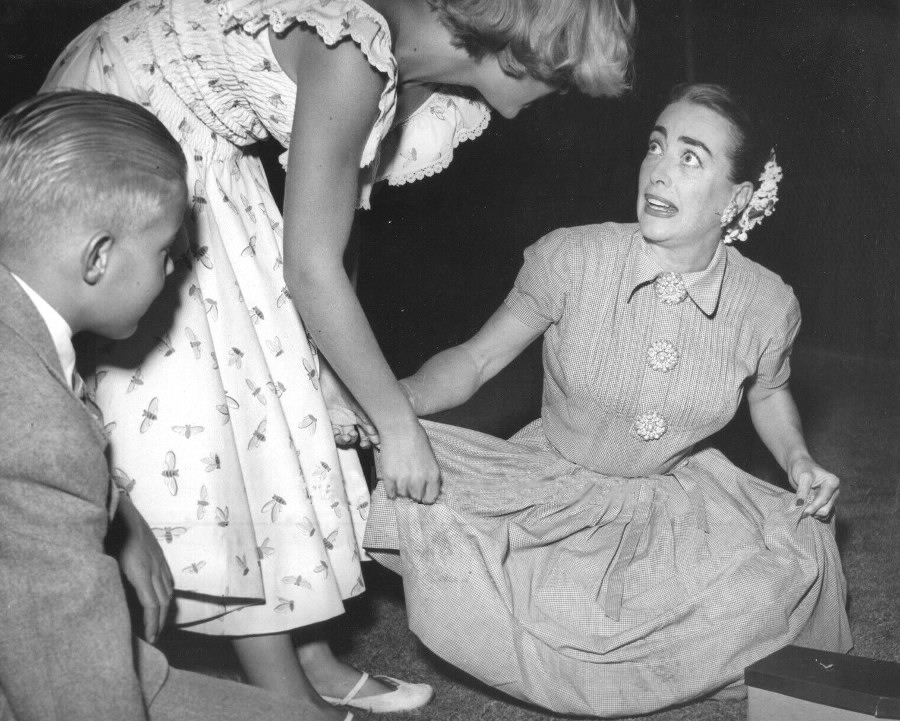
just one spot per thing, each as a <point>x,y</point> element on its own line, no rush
<point>659,171</point>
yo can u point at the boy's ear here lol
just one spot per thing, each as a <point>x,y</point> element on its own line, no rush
<point>95,258</point>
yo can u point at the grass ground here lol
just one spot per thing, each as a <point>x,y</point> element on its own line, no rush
<point>853,427</point>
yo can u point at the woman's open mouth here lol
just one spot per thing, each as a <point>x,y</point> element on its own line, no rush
<point>654,205</point>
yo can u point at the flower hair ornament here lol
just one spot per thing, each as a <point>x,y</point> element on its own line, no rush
<point>761,205</point>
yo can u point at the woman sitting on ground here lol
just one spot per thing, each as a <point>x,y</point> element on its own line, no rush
<point>596,563</point>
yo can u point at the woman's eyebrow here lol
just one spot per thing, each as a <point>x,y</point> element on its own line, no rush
<point>687,140</point>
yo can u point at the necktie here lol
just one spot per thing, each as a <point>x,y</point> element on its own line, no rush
<point>80,389</point>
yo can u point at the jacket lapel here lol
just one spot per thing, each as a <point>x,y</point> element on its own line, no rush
<point>18,313</point>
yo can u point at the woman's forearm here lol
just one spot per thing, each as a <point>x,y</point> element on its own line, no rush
<point>778,424</point>
<point>444,381</point>
<point>453,376</point>
<point>777,421</point>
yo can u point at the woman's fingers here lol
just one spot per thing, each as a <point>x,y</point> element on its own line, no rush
<point>344,435</point>
<point>822,507</point>
<point>390,487</point>
<point>803,479</point>
<point>817,489</point>
<point>432,491</point>
<point>826,512</point>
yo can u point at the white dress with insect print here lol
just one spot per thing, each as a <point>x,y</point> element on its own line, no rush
<point>216,421</point>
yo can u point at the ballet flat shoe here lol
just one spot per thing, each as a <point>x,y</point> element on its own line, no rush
<point>404,697</point>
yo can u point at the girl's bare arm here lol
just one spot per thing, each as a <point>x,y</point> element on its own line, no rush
<point>337,105</point>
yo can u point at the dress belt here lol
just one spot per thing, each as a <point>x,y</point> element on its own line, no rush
<point>641,500</point>
<point>642,509</point>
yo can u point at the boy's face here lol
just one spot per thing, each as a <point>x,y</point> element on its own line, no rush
<point>138,265</point>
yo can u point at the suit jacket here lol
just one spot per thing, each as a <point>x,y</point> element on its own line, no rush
<point>66,648</point>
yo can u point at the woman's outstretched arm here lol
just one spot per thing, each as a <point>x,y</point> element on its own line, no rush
<point>337,105</point>
<point>452,376</point>
<point>777,422</point>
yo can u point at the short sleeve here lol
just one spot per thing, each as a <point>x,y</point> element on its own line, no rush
<point>423,144</point>
<point>774,368</point>
<point>539,294</point>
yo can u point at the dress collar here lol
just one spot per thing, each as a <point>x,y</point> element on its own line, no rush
<point>703,287</point>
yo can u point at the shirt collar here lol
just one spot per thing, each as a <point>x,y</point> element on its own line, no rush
<point>703,287</point>
<point>60,332</point>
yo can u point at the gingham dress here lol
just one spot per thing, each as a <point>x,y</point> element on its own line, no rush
<point>594,563</point>
<point>217,424</point>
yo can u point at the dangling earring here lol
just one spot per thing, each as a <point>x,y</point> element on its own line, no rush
<point>729,213</point>
<point>761,204</point>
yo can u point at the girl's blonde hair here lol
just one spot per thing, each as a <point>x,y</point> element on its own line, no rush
<point>586,44</point>
<point>73,156</point>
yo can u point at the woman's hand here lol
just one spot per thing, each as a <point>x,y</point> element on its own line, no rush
<point>777,421</point>
<point>817,489</point>
<point>407,466</point>
<point>349,421</point>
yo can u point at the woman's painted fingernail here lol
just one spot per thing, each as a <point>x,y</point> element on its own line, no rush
<point>799,502</point>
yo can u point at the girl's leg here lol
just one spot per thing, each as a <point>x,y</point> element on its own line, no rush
<point>329,675</point>
<point>270,662</point>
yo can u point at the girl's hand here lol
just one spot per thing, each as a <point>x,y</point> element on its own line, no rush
<point>349,421</point>
<point>817,489</point>
<point>407,466</point>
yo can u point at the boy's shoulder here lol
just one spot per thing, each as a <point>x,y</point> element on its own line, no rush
<point>49,438</point>
<point>27,354</point>
<point>20,321</point>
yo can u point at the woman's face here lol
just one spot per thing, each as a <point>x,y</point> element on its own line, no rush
<point>504,93</point>
<point>684,184</point>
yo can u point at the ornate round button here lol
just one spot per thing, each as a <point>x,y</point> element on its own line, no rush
<point>650,426</point>
<point>670,288</point>
<point>662,356</point>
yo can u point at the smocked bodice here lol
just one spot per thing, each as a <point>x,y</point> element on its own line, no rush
<point>209,71</point>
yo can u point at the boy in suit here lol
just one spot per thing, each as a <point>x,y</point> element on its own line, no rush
<point>92,198</point>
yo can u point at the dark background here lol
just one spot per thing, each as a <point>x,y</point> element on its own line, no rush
<point>440,254</point>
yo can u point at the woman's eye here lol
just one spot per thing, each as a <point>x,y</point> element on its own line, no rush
<point>691,160</point>
<point>654,148</point>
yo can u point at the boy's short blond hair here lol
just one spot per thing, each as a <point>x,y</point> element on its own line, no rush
<point>585,44</point>
<point>75,156</point>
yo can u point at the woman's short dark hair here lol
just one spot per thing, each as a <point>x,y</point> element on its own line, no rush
<point>586,44</point>
<point>751,148</point>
